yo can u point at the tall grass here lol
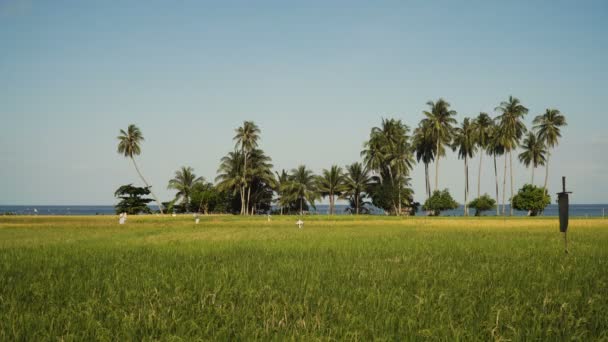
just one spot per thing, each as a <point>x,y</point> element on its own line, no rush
<point>87,278</point>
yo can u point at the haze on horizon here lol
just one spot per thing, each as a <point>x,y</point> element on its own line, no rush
<point>315,76</point>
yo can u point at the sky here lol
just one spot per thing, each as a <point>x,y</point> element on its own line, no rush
<point>316,76</point>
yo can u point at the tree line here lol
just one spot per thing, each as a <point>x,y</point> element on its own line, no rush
<point>246,183</point>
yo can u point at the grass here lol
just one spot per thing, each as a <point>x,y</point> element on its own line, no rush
<point>344,278</point>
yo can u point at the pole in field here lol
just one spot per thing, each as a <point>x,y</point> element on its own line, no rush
<point>564,207</point>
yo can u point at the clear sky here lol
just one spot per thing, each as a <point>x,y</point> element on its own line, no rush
<point>314,75</point>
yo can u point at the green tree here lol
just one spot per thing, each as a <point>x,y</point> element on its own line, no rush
<point>533,153</point>
<point>131,200</point>
<point>129,146</point>
<point>482,127</point>
<point>246,139</point>
<point>440,120</point>
<point>495,148</point>
<point>482,203</point>
<point>356,185</point>
<point>302,188</point>
<point>512,129</point>
<point>424,147</point>
<point>183,183</point>
<point>230,177</point>
<point>331,184</point>
<point>464,142</point>
<point>548,127</point>
<point>532,199</point>
<point>440,201</point>
<point>281,187</point>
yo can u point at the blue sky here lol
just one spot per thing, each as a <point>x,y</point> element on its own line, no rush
<point>314,75</point>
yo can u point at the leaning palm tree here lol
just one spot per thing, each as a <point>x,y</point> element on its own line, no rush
<point>246,139</point>
<point>495,148</point>
<point>512,127</point>
<point>356,184</point>
<point>464,142</point>
<point>440,120</point>
<point>184,181</point>
<point>534,152</point>
<point>331,184</point>
<point>302,187</point>
<point>424,147</point>
<point>481,127</point>
<point>548,126</point>
<point>129,146</point>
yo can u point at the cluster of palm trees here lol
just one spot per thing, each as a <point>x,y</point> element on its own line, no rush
<point>388,157</point>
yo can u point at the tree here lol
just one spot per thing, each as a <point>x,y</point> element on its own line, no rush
<point>331,184</point>
<point>482,127</point>
<point>464,142</point>
<point>440,201</point>
<point>440,120</point>
<point>183,182</point>
<point>302,188</point>
<point>533,153</point>
<point>356,185</point>
<point>132,201</point>
<point>246,139</point>
<point>495,148</point>
<point>482,203</point>
<point>548,127</point>
<point>281,186</point>
<point>206,198</point>
<point>388,154</point>
<point>425,150</point>
<point>532,199</point>
<point>512,129</point>
<point>230,177</point>
<point>129,146</point>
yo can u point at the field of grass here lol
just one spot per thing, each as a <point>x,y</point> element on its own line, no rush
<point>165,278</point>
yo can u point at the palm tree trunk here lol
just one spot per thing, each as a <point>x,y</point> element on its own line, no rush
<point>466,186</point>
<point>301,205</point>
<point>496,178</point>
<point>160,205</point>
<point>479,175</point>
<point>357,203</point>
<point>437,168</point>
<point>426,176</point>
<point>533,174</point>
<point>331,204</point>
<point>399,189</point>
<point>248,198</point>
<point>547,169</point>
<point>504,189</point>
<point>511,172</point>
<point>245,204</point>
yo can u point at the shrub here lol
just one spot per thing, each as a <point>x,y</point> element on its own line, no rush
<point>440,201</point>
<point>482,203</point>
<point>532,199</point>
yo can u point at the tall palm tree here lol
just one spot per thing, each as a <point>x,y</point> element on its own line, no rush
<point>129,146</point>
<point>184,181</point>
<point>495,148</point>
<point>424,147</point>
<point>246,140</point>
<point>481,127</point>
<point>440,120</point>
<point>512,127</point>
<point>356,184</point>
<point>331,184</point>
<point>548,126</point>
<point>259,176</point>
<point>534,152</point>
<point>464,142</point>
<point>302,187</point>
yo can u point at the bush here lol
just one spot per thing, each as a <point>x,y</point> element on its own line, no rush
<point>132,200</point>
<point>532,199</point>
<point>483,203</point>
<point>440,201</point>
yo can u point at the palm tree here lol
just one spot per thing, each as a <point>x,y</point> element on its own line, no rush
<point>302,187</point>
<point>331,183</point>
<point>424,147</point>
<point>230,175</point>
<point>129,146</point>
<point>481,127</point>
<point>260,178</point>
<point>495,148</point>
<point>548,126</point>
<point>440,120</point>
<point>281,185</point>
<point>512,129</point>
<point>246,139</point>
<point>183,182</point>
<point>534,153</point>
<point>464,142</point>
<point>356,184</point>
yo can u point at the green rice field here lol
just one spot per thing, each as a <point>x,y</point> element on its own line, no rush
<point>338,278</point>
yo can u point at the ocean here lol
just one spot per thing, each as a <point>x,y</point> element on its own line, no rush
<point>576,210</point>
